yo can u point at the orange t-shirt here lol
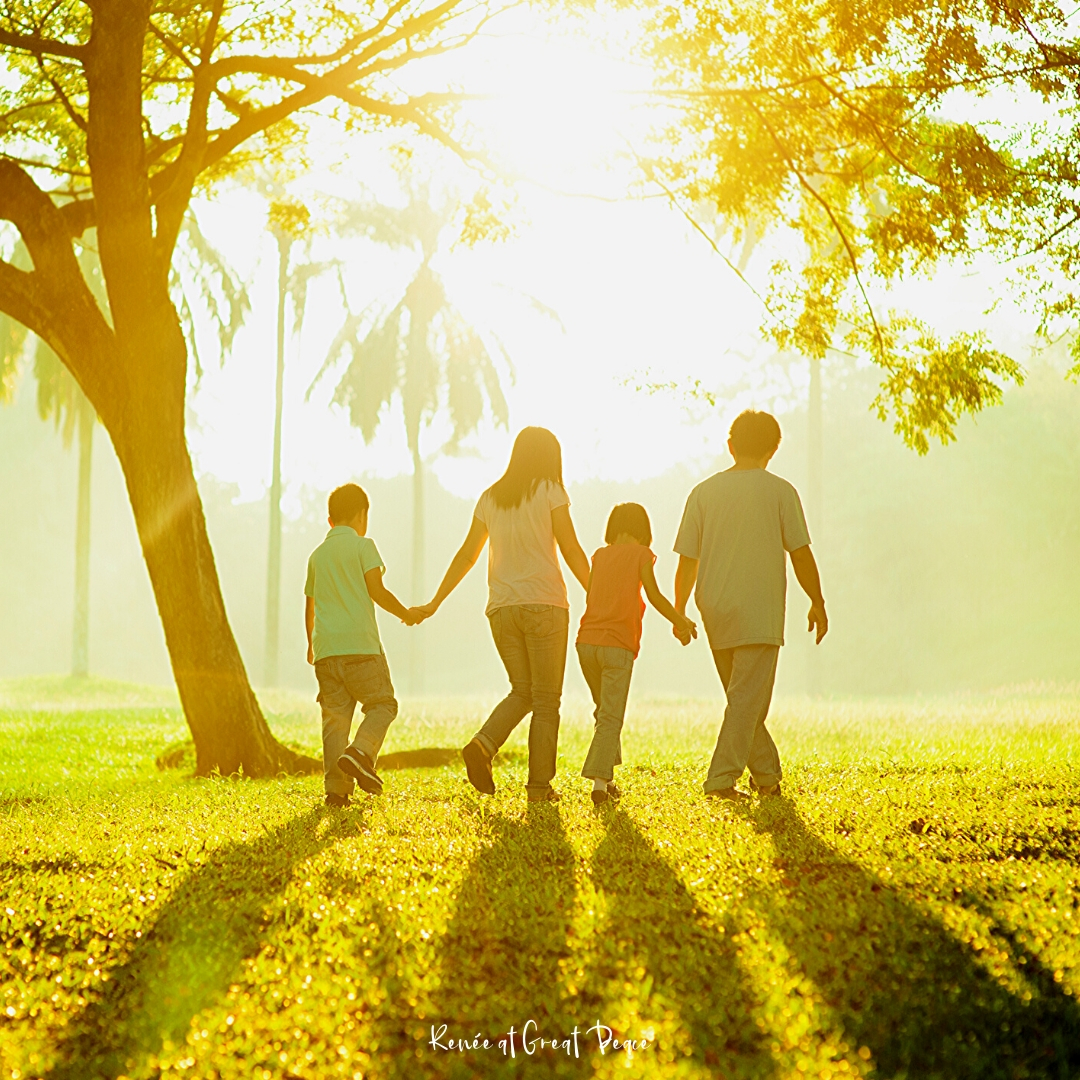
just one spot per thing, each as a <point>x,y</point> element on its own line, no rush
<point>614,608</point>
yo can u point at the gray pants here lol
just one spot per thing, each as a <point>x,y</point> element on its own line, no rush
<point>344,681</point>
<point>607,670</point>
<point>747,673</point>
<point>531,639</point>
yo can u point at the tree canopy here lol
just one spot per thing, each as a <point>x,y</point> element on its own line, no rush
<point>884,140</point>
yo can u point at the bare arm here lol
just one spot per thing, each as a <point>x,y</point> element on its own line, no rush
<point>806,573</point>
<point>383,596</point>
<point>309,623</point>
<point>460,565</point>
<point>684,628</point>
<point>566,538</point>
<point>685,579</point>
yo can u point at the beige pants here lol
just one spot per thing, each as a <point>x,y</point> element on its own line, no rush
<point>747,673</point>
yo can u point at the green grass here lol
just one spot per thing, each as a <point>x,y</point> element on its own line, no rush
<point>911,908</point>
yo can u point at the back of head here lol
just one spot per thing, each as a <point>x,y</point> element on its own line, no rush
<point>630,518</point>
<point>346,502</point>
<point>537,456</point>
<point>754,434</point>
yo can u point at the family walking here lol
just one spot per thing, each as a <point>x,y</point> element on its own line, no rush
<point>735,530</point>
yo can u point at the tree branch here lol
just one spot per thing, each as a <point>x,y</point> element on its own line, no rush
<point>827,207</point>
<point>38,46</point>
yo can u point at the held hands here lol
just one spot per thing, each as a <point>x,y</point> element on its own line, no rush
<point>819,620</point>
<point>684,629</point>
<point>416,615</point>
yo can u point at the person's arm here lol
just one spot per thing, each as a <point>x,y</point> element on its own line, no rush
<point>384,597</point>
<point>684,628</point>
<point>309,623</point>
<point>685,579</point>
<point>806,572</point>
<point>460,565</point>
<point>566,538</point>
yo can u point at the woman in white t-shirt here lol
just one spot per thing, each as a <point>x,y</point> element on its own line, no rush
<point>526,514</point>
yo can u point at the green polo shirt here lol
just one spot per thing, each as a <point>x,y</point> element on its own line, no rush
<point>344,613</point>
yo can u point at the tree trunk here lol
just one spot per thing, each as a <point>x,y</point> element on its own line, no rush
<point>80,632</point>
<point>273,558</point>
<point>226,722</point>
<point>416,643</point>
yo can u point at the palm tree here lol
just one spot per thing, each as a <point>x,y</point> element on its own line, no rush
<point>60,399</point>
<point>290,224</point>
<point>420,350</point>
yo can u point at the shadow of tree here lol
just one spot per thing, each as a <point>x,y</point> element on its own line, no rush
<point>500,961</point>
<point>213,921</point>
<point>900,983</point>
<point>692,971</point>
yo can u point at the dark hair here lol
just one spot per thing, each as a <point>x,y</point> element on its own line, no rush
<point>346,502</point>
<point>629,518</point>
<point>537,456</point>
<point>754,434</point>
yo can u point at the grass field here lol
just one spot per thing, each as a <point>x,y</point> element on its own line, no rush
<point>910,908</point>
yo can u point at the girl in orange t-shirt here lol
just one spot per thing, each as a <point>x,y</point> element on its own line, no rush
<point>610,635</point>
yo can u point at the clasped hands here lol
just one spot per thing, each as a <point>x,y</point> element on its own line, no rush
<point>684,629</point>
<point>414,616</point>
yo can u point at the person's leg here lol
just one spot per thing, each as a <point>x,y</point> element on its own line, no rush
<point>747,674</point>
<point>337,706</point>
<point>510,642</point>
<point>764,759</point>
<point>546,631</point>
<point>605,752</point>
<point>589,659</point>
<point>368,680</point>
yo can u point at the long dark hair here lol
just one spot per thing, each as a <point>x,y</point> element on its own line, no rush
<point>537,456</point>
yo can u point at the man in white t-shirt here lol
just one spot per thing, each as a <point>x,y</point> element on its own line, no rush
<point>732,540</point>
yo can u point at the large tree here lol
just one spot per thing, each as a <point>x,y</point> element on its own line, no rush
<point>112,113</point>
<point>872,143</point>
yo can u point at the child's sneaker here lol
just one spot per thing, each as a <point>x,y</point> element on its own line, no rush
<point>361,768</point>
<point>765,792</point>
<point>547,795</point>
<point>340,801</point>
<point>478,766</point>
<point>608,794</point>
<point>732,794</point>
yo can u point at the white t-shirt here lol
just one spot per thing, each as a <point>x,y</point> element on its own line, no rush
<point>738,524</point>
<point>523,566</point>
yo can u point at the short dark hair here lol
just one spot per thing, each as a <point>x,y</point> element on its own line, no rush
<point>346,502</point>
<point>754,434</point>
<point>629,518</point>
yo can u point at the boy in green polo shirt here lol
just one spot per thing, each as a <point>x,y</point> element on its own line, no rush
<point>344,582</point>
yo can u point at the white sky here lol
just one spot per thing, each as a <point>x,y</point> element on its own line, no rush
<point>638,292</point>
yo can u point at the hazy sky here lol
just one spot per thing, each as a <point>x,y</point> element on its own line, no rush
<point>641,296</point>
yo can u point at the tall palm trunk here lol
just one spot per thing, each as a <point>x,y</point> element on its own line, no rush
<point>80,633</point>
<point>416,644</point>
<point>815,453</point>
<point>273,559</point>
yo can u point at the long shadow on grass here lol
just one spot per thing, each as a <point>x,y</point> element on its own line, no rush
<point>900,983</point>
<point>692,971</point>
<point>214,919</point>
<point>500,960</point>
